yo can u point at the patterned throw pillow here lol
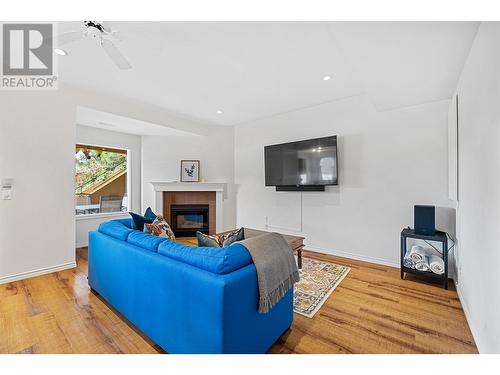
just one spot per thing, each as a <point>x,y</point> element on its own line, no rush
<point>233,236</point>
<point>207,240</point>
<point>220,240</point>
<point>160,228</point>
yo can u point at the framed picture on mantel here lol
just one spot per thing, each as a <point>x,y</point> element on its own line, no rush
<point>190,171</point>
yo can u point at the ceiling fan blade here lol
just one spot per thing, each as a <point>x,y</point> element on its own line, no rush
<point>115,54</point>
<point>106,26</point>
<point>71,36</point>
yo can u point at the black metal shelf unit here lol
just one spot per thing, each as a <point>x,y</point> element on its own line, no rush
<point>438,237</point>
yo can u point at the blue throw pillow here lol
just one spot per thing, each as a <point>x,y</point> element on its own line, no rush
<point>150,214</point>
<point>138,221</point>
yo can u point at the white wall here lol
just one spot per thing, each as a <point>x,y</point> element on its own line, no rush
<point>37,231</point>
<point>37,140</point>
<point>388,162</point>
<point>479,188</point>
<point>161,158</point>
<point>100,137</point>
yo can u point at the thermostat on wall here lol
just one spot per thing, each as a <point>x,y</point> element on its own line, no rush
<point>6,188</point>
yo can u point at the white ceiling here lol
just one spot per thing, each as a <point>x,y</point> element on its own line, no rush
<point>252,70</point>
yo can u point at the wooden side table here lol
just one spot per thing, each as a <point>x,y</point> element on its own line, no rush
<point>297,244</point>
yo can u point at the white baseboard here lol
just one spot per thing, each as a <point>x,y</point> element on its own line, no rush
<point>39,272</point>
<point>344,254</point>
<point>467,316</point>
<point>81,244</point>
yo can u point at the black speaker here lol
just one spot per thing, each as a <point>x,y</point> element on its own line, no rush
<point>425,220</point>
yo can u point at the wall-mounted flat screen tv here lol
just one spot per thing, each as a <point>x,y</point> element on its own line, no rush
<point>302,164</point>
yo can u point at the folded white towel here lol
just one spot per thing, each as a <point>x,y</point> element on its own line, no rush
<point>436,264</point>
<point>423,265</point>
<point>408,262</point>
<point>418,253</point>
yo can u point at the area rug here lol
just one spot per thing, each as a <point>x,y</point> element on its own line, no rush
<point>317,281</point>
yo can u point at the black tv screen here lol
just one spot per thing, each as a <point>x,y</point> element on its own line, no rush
<point>311,162</point>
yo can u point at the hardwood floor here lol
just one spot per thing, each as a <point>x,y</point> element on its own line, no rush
<point>371,311</point>
<point>374,311</point>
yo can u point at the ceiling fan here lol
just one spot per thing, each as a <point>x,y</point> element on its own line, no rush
<point>104,35</point>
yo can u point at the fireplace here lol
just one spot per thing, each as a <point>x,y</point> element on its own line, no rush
<point>187,219</point>
<point>190,199</point>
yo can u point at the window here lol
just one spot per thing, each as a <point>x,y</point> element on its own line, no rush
<point>100,180</point>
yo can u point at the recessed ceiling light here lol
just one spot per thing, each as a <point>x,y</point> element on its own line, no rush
<point>327,78</point>
<point>60,51</point>
<point>219,112</point>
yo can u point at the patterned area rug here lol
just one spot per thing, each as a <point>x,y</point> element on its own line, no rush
<point>317,281</point>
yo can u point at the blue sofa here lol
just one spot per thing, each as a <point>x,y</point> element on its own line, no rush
<point>186,299</point>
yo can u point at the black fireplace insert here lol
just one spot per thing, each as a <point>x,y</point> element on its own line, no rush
<point>187,219</point>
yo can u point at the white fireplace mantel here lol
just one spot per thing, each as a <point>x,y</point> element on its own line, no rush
<point>189,186</point>
<point>220,189</point>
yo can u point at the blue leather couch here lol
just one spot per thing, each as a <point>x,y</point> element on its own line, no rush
<point>186,299</point>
